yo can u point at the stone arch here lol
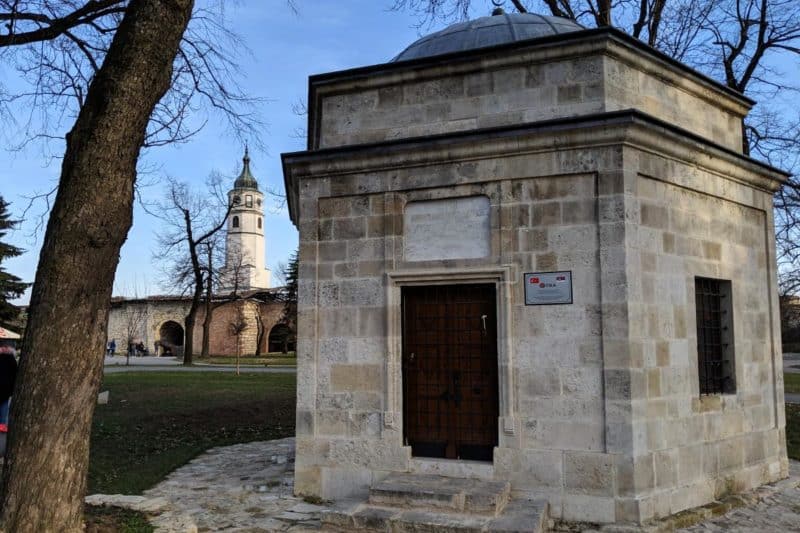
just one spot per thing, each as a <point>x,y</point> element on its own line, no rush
<point>280,339</point>
<point>170,337</point>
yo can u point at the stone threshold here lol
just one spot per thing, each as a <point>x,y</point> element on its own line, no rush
<point>406,502</point>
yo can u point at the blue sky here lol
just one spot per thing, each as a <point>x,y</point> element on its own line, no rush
<point>286,48</point>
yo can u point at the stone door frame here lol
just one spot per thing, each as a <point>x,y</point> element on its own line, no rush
<point>502,276</point>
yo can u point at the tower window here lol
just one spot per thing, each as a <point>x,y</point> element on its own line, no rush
<point>235,222</point>
<point>259,222</point>
<point>248,200</point>
<point>715,357</point>
<point>237,200</point>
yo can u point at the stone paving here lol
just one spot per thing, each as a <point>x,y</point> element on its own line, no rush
<point>778,511</point>
<point>247,488</point>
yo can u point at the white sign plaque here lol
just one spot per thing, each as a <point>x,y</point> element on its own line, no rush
<point>543,288</point>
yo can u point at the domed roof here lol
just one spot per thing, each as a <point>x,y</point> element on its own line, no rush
<point>500,28</point>
<point>245,179</point>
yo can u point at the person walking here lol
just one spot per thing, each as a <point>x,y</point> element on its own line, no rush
<point>8,374</point>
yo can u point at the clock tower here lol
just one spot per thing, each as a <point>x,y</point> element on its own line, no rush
<point>244,247</point>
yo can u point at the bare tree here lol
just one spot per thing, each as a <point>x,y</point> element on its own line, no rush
<point>44,476</point>
<point>187,244</point>
<point>236,327</point>
<point>738,42</point>
<point>78,34</point>
<point>134,320</point>
<point>224,274</point>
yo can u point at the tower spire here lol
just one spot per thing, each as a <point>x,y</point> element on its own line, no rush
<point>246,178</point>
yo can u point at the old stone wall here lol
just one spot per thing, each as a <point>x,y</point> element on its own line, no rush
<point>576,423</point>
<point>223,339</point>
<point>690,448</point>
<point>349,404</point>
<point>144,319</point>
<point>543,83</point>
<point>600,408</point>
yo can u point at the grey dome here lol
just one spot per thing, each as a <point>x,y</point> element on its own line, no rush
<point>487,31</point>
<point>246,180</point>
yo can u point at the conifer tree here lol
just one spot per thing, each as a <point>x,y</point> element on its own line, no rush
<point>11,286</point>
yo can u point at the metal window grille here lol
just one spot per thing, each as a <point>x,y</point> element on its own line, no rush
<point>714,352</point>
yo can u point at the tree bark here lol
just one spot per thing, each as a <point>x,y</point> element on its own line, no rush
<point>44,477</point>
<point>191,319</point>
<point>209,309</point>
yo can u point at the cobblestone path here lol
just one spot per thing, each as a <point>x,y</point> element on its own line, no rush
<point>241,488</point>
<point>247,488</point>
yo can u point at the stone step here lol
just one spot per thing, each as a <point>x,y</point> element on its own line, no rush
<point>519,516</point>
<point>423,491</point>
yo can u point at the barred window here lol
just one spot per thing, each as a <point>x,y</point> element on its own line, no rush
<point>715,357</point>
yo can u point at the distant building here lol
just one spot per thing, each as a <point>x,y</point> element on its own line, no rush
<point>244,245</point>
<point>157,322</point>
<point>9,338</point>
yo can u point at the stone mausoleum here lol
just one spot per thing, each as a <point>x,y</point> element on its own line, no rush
<point>534,256</point>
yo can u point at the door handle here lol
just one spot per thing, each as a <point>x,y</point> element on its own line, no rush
<point>483,320</point>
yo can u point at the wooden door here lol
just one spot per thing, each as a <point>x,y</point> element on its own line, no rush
<point>450,394</point>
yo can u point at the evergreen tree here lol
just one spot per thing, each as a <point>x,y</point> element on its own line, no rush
<point>11,286</point>
<point>289,316</point>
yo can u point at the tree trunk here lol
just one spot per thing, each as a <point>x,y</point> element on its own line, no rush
<point>188,343</point>
<point>259,333</point>
<point>44,477</point>
<point>204,351</point>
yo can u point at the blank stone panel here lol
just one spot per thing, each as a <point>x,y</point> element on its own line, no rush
<point>454,228</point>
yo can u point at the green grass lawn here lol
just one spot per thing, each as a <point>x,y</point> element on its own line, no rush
<point>270,359</point>
<point>791,383</point>
<point>793,430</point>
<point>157,421</point>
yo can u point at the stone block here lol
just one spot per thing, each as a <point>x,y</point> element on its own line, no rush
<point>533,239</point>
<point>654,216</point>
<point>332,251</point>
<point>589,473</point>
<point>569,94</point>
<point>371,321</point>
<point>339,483</point>
<point>666,468</point>
<point>349,228</point>
<point>478,84</point>
<point>508,80</point>
<point>540,382</point>
<point>356,377</point>
<point>337,322</point>
<point>307,480</point>
<point>304,423</point>
<point>618,384</point>
<point>583,508</point>
<point>690,463</point>
<point>530,469</point>
<point>546,213</point>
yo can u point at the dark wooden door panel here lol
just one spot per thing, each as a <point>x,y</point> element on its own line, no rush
<point>450,394</point>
